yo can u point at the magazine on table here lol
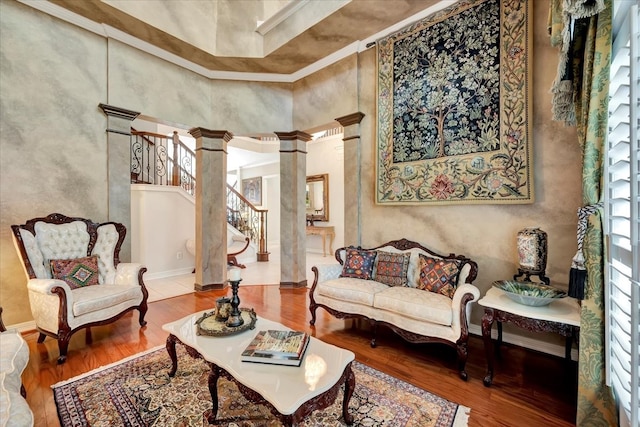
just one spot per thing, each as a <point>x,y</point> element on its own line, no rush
<point>277,347</point>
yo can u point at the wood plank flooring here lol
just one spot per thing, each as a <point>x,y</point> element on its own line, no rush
<point>529,389</point>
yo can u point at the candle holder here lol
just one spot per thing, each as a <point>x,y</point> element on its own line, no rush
<point>235,317</point>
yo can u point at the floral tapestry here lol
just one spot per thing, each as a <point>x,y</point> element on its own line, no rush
<point>454,106</point>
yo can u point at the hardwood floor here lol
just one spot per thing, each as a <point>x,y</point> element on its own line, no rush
<point>529,389</point>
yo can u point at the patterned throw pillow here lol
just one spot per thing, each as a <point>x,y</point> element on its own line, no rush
<point>359,263</point>
<point>438,275</point>
<point>78,273</point>
<point>391,268</point>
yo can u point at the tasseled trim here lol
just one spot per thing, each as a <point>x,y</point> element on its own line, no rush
<point>577,276</point>
<point>563,106</point>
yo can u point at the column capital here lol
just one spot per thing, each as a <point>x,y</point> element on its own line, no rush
<point>118,112</point>
<point>293,135</point>
<point>208,133</point>
<point>351,119</point>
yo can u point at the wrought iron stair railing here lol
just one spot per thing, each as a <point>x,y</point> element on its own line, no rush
<point>161,160</point>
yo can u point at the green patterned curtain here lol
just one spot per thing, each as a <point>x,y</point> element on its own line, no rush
<point>587,67</point>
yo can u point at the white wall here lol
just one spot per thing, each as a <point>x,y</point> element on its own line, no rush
<point>162,220</point>
<point>326,155</point>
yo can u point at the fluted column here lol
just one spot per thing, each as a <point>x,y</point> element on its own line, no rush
<point>352,178</point>
<point>293,177</point>
<point>119,170</point>
<point>211,208</point>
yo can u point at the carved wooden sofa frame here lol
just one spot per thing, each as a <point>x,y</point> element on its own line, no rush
<point>466,293</point>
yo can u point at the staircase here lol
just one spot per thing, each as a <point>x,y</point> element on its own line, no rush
<point>161,160</point>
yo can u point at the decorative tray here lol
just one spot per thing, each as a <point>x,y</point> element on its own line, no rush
<point>208,325</point>
<point>529,293</point>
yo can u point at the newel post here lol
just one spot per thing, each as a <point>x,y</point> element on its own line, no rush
<point>352,178</point>
<point>293,238</point>
<point>175,175</point>
<point>119,170</point>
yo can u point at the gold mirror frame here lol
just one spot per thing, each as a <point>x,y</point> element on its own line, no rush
<point>312,213</point>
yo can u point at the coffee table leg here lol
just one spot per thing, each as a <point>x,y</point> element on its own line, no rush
<point>349,386</point>
<point>213,389</point>
<point>171,349</point>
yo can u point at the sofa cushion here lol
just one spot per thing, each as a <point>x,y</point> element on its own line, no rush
<point>348,289</point>
<point>391,269</point>
<point>14,357</point>
<point>78,272</point>
<point>438,275</point>
<point>416,304</point>
<point>100,297</point>
<point>359,264</point>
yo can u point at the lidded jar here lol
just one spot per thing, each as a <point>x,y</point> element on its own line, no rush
<point>532,250</point>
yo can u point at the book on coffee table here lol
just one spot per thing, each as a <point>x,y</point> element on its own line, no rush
<point>277,347</point>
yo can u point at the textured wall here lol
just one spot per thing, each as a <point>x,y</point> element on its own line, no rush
<point>486,233</point>
<point>187,20</point>
<point>326,95</point>
<point>53,146</point>
<point>52,139</point>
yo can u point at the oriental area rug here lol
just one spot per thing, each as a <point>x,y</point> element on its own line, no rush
<point>138,391</point>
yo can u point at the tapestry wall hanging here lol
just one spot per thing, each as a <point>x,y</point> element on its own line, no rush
<point>454,106</point>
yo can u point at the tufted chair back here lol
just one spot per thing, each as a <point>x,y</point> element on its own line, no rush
<point>57,236</point>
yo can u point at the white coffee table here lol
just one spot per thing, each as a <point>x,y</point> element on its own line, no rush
<point>290,392</point>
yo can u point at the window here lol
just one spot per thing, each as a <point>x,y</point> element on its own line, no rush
<point>622,206</point>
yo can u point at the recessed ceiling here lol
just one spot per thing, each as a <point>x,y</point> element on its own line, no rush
<point>295,42</point>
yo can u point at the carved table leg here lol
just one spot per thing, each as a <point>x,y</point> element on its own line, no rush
<point>171,349</point>
<point>487,322</point>
<point>349,386</point>
<point>213,389</point>
<point>499,341</point>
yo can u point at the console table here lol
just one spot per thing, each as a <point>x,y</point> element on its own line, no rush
<point>561,316</point>
<point>323,232</point>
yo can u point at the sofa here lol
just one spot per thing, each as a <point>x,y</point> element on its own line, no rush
<point>423,296</point>
<point>14,357</point>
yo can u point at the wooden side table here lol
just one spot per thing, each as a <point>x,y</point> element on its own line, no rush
<point>561,316</point>
<point>323,232</point>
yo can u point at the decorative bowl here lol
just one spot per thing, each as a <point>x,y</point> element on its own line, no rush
<point>529,293</point>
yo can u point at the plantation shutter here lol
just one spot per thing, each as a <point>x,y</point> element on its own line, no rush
<point>622,206</point>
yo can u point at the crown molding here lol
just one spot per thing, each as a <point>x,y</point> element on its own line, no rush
<point>280,16</point>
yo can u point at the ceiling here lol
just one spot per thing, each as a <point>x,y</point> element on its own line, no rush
<point>229,42</point>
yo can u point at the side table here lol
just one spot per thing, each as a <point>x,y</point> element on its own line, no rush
<point>323,232</point>
<point>561,316</point>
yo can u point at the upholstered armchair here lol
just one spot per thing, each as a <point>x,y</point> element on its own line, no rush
<point>75,277</point>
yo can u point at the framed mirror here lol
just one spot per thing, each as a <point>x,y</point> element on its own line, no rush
<point>317,197</point>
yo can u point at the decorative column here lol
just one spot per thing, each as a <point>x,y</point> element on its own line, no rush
<point>211,208</point>
<point>352,178</point>
<point>293,178</point>
<point>119,170</point>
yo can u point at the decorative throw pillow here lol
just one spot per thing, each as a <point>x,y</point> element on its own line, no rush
<point>438,275</point>
<point>391,268</point>
<point>358,263</point>
<point>78,273</point>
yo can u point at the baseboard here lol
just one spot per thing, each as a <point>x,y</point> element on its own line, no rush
<point>526,342</point>
<point>23,327</point>
<point>168,273</point>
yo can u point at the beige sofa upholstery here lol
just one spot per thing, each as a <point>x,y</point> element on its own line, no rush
<point>14,357</point>
<point>60,310</point>
<point>417,315</point>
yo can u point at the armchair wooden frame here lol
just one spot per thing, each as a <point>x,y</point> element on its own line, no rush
<point>64,332</point>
